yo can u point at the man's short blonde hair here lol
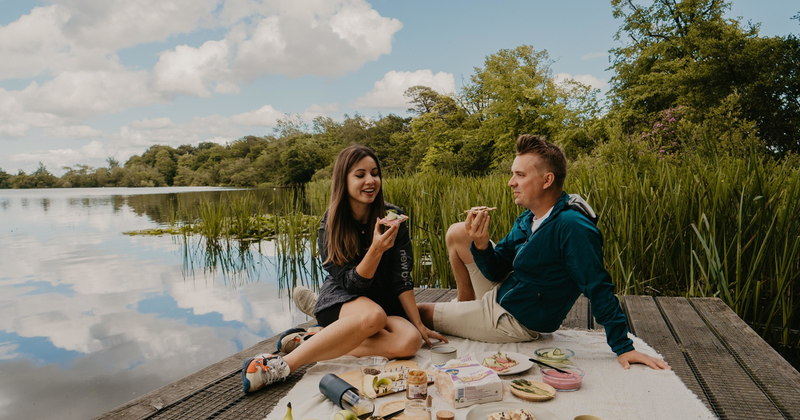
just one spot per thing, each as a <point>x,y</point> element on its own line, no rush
<point>551,155</point>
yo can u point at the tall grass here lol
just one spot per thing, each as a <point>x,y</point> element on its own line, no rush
<point>727,228</point>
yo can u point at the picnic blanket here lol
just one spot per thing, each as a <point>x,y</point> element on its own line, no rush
<point>608,391</point>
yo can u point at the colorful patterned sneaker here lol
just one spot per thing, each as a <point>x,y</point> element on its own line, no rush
<point>262,370</point>
<point>305,300</point>
<point>293,338</point>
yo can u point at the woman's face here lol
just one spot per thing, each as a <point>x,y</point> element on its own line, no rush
<point>363,183</point>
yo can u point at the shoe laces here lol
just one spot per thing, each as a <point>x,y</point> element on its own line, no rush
<point>271,369</point>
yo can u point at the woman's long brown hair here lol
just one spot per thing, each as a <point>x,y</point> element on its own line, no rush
<point>342,228</point>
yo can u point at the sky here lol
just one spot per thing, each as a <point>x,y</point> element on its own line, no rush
<point>82,81</point>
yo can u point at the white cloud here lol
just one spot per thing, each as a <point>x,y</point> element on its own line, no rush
<point>82,94</point>
<point>115,24</point>
<point>190,70</point>
<point>594,55</point>
<point>265,116</point>
<point>13,130</point>
<point>586,79</point>
<point>34,43</point>
<point>73,131</point>
<point>72,35</point>
<point>320,38</point>
<point>59,158</point>
<point>388,92</point>
<point>317,110</point>
<point>152,123</point>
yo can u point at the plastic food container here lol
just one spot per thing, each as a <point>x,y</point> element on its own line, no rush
<point>554,355</point>
<point>563,381</point>
<point>372,365</point>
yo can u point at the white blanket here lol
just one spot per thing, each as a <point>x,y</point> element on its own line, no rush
<point>608,391</point>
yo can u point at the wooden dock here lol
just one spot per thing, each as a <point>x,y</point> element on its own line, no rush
<point>716,354</point>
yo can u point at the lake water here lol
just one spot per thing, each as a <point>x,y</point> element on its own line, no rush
<point>91,318</point>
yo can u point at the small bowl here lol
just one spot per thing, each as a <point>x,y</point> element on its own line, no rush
<point>563,381</point>
<point>546,355</point>
<point>372,365</point>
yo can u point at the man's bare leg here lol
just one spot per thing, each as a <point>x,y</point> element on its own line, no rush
<point>426,313</point>
<point>458,243</point>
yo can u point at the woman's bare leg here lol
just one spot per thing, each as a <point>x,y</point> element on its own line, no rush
<point>399,339</point>
<point>458,243</point>
<point>362,329</point>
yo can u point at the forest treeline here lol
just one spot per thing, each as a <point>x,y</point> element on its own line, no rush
<point>686,81</point>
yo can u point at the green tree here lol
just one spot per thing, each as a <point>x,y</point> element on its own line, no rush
<point>166,165</point>
<point>300,161</point>
<point>686,53</point>
<point>81,176</point>
<point>5,178</point>
<point>515,93</point>
<point>22,180</point>
<point>43,178</point>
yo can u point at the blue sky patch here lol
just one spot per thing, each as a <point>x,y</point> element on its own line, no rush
<point>39,349</point>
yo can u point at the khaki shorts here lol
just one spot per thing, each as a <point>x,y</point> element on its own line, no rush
<point>483,320</point>
<point>480,284</point>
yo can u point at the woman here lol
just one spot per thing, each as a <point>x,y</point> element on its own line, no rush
<point>367,303</point>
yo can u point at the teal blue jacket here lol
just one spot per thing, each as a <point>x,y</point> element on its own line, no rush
<point>544,274</point>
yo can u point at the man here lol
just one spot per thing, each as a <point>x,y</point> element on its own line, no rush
<point>552,255</point>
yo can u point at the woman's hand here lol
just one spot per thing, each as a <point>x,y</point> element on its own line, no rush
<point>382,242</point>
<point>427,334</point>
<point>477,226</point>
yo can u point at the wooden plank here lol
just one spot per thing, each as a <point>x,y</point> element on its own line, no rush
<point>730,390</point>
<point>150,403</point>
<point>578,316</point>
<point>426,295</point>
<point>447,295</point>
<point>646,322</point>
<point>779,380</point>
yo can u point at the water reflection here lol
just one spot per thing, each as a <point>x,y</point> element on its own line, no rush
<point>91,318</point>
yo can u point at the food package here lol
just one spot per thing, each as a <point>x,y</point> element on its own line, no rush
<point>464,382</point>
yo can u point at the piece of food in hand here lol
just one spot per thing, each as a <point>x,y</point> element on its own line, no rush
<point>480,208</point>
<point>392,218</point>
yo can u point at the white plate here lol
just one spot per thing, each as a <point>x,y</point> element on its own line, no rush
<point>482,411</point>
<point>523,362</point>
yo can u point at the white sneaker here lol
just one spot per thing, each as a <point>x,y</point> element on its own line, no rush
<point>305,300</point>
<point>262,370</point>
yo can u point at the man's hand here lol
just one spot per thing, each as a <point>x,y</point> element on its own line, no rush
<point>633,356</point>
<point>477,226</point>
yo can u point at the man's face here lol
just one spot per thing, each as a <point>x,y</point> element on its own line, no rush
<point>526,181</point>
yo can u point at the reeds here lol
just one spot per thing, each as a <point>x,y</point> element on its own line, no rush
<point>727,228</point>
